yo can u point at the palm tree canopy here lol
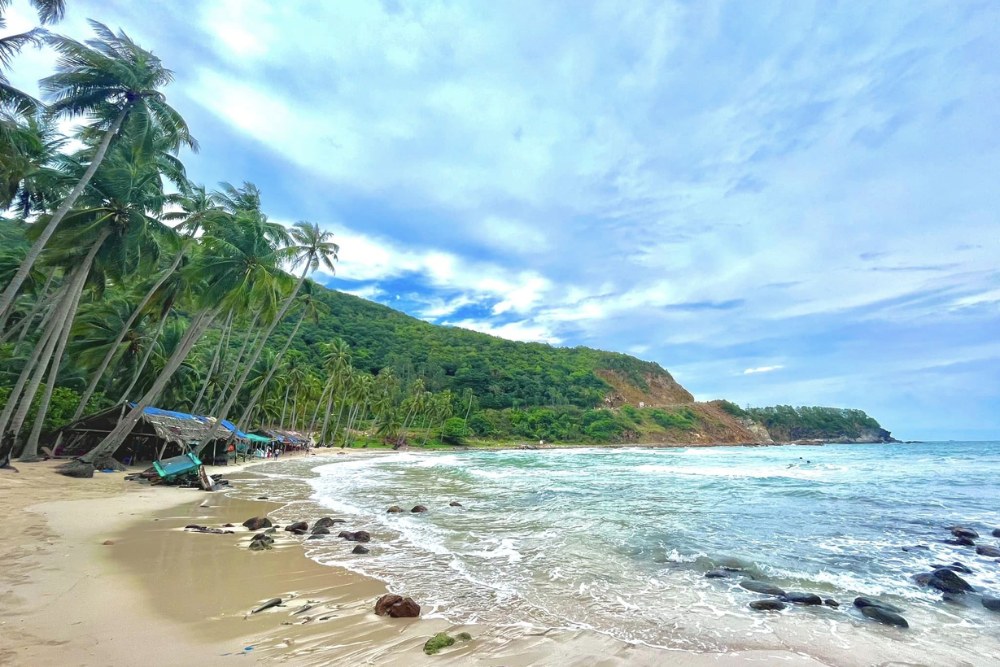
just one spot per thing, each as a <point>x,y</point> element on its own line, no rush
<point>110,75</point>
<point>312,247</point>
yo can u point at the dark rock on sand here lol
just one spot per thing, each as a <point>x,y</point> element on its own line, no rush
<point>418,508</point>
<point>802,598</point>
<point>883,615</point>
<point>258,522</point>
<point>862,602</point>
<point>318,536</point>
<point>320,530</point>
<point>454,503</point>
<point>261,544</point>
<point>298,525</point>
<point>944,580</point>
<point>768,605</point>
<point>716,574</point>
<point>326,522</point>
<point>360,550</point>
<point>991,603</point>
<point>206,529</point>
<point>395,509</point>
<point>261,497</point>
<point>273,602</point>
<point>987,550</point>
<point>761,587</point>
<point>228,525</point>
<point>396,606</point>
<point>830,602</point>
<point>962,531</point>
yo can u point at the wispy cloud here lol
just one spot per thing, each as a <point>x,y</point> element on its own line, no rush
<point>762,369</point>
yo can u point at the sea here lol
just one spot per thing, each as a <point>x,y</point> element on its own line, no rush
<point>618,541</point>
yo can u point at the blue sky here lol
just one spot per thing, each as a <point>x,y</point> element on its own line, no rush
<point>778,202</point>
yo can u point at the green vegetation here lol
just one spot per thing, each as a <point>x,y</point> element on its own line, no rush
<point>785,423</point>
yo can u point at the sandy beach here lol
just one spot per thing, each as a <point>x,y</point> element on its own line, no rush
<point>100,572</point>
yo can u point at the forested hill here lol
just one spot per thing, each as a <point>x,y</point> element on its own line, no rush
<point>501,373</point>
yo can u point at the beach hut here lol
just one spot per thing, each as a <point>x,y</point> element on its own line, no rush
<point>158,433</point>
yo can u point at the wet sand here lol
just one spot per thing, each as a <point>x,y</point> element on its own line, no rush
<point>101,572</point>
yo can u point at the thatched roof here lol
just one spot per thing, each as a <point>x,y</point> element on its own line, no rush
<point>168,425</point>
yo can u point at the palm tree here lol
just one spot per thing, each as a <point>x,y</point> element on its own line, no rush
<point>109,78</point>
<point>49,11</point>
<point>312,248</point>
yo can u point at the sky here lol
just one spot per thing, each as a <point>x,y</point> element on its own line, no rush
<point>779,202</point>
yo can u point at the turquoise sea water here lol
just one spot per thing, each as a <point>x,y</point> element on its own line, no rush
<point>619,540</point>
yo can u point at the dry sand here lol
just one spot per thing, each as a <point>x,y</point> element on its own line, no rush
<point>100,572</point>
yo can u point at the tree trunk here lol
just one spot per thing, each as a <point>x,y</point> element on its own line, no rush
<point>30,452</point>
<point>236,362</point>
<point>284,406</point>
<point>99,373</point>
<point>326,416</point>
<point>223,341</point>
<point>145,358</point>
<point>25,324</point>
<point>84,466</point>
<point>234,394</point>
<point>270,373</point>
<point>22,379</point>
<point>7,298</point>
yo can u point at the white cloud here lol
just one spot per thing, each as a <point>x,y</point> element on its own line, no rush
<point>762,369</point>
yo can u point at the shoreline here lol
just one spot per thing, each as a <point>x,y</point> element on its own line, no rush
<point>181,597</point>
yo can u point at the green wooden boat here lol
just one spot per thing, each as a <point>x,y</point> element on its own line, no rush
<point>171,468</point>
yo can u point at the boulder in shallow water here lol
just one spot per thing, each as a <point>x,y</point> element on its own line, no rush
<point>996,532</point>
<point>885,616</point>
<point>960,542</point>
<point>395,509</point>
<point>297,526</point>
<point>360,550</point>
<point>326,522</point>
<point>954,567</point>
<point>257,522</point>
<point>802,598</point>
<point>944,580</point>
<point>962,531</point>
<point>862,602</point>
<point>396,606</point>
<point>454,503</point>
<point>418,509</point>
<point>767,605</point>
<point>830,602</point>
<point>320,530</point>
<point>761,587</point>
<point>917,547</point>
<point>987,550</point>
<point>362,536</point>
<point>716,574</point>
<point>991,603</point>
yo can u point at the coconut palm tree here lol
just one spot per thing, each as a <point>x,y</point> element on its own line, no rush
<point>311,248</point>
<point>49,11</point>
<point>107,78</point>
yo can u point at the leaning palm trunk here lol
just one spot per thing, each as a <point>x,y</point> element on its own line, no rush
<point>22,380</point>
<point>234,394</point>
<point>25,323</point>
<point>30,452</point>
<point>327,389</point>
<point>84,466</point>
<point>7,298</point>
<point>61,321</point>
<point>99,373</point>
<point>145,359</point>
<point>223,341</point>
<point>326,416</point>
<point>231,375</point>
<point>270,373</point>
